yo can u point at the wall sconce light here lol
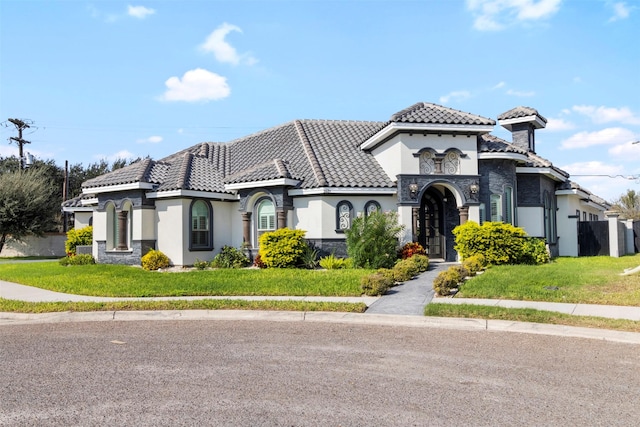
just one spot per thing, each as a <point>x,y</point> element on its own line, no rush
<point>474,188</point>
<point>413,190</point>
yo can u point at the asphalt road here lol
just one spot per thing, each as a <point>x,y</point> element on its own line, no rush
<point>248,373</point>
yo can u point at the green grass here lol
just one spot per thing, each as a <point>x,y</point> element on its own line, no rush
<point>49,307</point>
<point>528,315</point>
<point>586,280</point>
<point>126,281</point>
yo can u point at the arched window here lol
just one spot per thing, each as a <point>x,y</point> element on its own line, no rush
<point>370,207</point>
<point>201,226</point>
<point>344,216</point>
<point>265,217</point>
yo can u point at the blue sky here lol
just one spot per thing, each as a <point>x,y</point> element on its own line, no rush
<point>108,79</point>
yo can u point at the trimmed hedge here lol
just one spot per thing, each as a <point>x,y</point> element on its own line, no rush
<point>283,248</point>
<point>78,237</point>
<point>500,243</point>
<point>154,260</point>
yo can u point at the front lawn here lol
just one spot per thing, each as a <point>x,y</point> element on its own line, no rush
<point>125,281</point>
<point>585,280</point>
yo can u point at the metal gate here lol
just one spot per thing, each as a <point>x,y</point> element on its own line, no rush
<point>593,238</point>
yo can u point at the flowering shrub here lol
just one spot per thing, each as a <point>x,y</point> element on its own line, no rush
<point>410,249</point>
<point>154,260</point>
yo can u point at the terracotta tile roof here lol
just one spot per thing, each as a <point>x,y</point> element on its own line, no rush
<point>424,112</point>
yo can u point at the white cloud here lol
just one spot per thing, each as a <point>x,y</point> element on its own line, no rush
<point>494,15</point>
<point>139,12</point>
<point>458,95</point>
<point>8,151</point>
<point>608,114</point>
<point>222,50</point>
<point>499,86</point>
<point>592,168</point>
<point>558,125</point>
<point>520,93</point>
<point>196,85</point>
<point>606,136</point>
<point>620,11</point>
<point>627,151</point>
<point>151,140</point>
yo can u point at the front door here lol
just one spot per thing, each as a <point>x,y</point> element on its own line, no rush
<point>431,225</point>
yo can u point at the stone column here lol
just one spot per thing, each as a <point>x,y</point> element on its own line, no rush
<point>464,214</point>
<point>282,218</point>
<point>122,230</point>
<point>246,229</point>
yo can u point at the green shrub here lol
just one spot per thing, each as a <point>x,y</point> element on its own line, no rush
<point>331,262</point>
<point>82,259</point>
<point>388,273</point>
<point>375,284</point>
<point>474,263</point>
<point>282,248</point>
<point>500,243</point>
<point>200,265</point>
<point>372,240</point>
<point>422,261</point>
<point>405,270</point>
<point>154,260</point>
<point>309,258</point>
<point>230,257</point>
<point>534,251</point>
<point>410,249</point>
<point>78,237</point>
<point>446,281</point>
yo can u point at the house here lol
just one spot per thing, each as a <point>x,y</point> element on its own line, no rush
<point>435,166</point>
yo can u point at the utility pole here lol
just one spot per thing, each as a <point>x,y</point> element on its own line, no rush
<point>20,125</point>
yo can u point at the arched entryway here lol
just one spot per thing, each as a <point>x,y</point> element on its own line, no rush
<point>431,224</point>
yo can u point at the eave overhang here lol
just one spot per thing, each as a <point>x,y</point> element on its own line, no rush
<point>394,128</point>
<point>550,172</point>
<point>503,156</point>
<point>169,194</point>
<point>535,120</point>
<point>119,187</point>
<point>342,190</point>
<point>288,182</point>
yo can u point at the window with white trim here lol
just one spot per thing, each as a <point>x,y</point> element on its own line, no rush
<point>265,217</point>
<point>201,226</point>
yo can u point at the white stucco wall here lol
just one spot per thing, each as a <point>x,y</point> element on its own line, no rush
<point>317,214</point>
<point>171,228</point>
<point>81,219</point>
<point>567,226</point>
<point>396,156</point>
<point>532,220</point>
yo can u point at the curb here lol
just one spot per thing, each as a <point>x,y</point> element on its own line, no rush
<point>7,319</point>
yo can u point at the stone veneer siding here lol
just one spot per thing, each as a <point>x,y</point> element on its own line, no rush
<point>130,257</point>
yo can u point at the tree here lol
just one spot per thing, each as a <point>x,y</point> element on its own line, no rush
<point>26,204</point>
<point>629,205</point>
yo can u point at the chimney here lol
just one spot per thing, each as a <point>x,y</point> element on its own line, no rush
<point>522,123</point>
